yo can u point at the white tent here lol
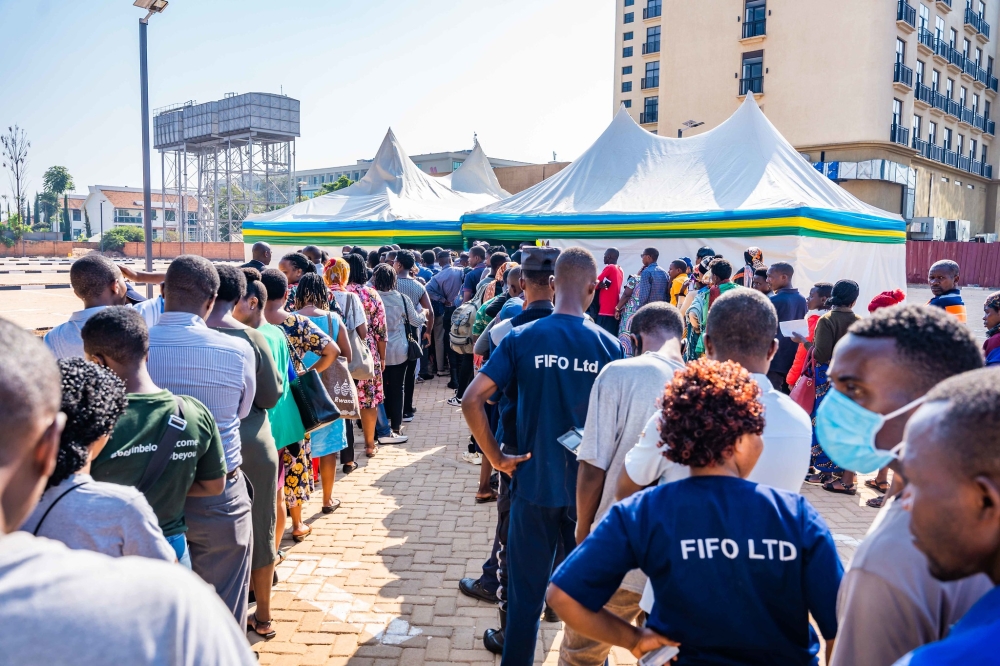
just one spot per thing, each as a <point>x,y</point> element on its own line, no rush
<point>395,202</point>
<point>740,184</point>
<point>475,176</point>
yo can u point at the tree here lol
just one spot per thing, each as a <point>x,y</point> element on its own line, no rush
<point>12,231</point>
<point>86,225</point>
<point>115,239</point>
<point>48,203</point>
<point>338,184</point>
<point>14,147</point>
<point>57,179</point>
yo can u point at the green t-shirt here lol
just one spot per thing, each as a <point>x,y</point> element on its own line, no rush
<point>198,455</point>
<point>286,423</point>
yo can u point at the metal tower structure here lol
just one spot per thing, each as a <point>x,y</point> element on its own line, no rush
<point>231,158</point>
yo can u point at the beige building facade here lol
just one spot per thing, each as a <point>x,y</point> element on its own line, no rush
<point>891,99</point>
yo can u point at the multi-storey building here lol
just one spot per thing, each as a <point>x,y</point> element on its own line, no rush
<point>893,99</point>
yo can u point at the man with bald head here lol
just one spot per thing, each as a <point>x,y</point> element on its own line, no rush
<point>261,253</point>
<point>555,361</point>
<point>96,281</point>
<point>146,607</point>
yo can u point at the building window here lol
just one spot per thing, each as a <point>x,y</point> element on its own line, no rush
<point>966,47</point>
<point>653,9</point>
<point>627,103</point>
<point>629,3</point>
<point>651,111</point>
<point>920,72</point>
<point>128,216</point>
<point>958,183</point>
<point>962,92</point>
<point>938,27</point>
<point>932,133</point>
<point>975,103</point>
<point>982,8</point>
<point>986,108</point>
<point>984,159</point>
<point>900,51</point>
<point>935,80</point>
<point>979,57</point>
<point>627,37</point>
<point>626,70</point>
<point>973,148</point>
<point>455,165</point>
<point>949,89</point>
<point>960,145</point>
<point>753,73</point>
<point>917,123</point>
<point>652,78</point>
<point>952,37</point>
<point>925,15</point>
<point>626,86</point>
<point>652,44</point>
<point>989,65</point>
<point>754,18</point>
<point>76,214</point>
<point>630,17</point>
<point>946,144</point>
<point>627,52</point>
<point>170,215</point>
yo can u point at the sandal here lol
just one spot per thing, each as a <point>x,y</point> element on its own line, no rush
<point>371,454</point>
<point>849,489</point>
<point>876,502</point>
<point>350,467</point>
<point>819,478</point>
<point>282,556</point>
<point>881,486</point>
<point>299,538</point>
<point>255,625</point>
<point>333,507</point>
<point>492,497</point>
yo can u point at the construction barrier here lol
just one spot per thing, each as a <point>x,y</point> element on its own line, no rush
<point>979,262</point>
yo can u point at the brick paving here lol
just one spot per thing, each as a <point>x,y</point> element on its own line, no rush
<point>377,582</point>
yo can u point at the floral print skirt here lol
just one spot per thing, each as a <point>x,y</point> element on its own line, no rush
<point>296,463</point>
<point>370,393</point>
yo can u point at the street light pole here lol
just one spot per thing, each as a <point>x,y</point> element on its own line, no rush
<point>102,226</point>
<point>147,197</point>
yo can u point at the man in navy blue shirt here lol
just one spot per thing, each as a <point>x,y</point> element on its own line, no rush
<point>791,306</point>
<point>952,466</point>
<point>555,361</point>
<point>477,262</point>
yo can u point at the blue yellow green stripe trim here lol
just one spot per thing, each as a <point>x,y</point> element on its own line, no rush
<point>411,232</point>
<point>814,222</point>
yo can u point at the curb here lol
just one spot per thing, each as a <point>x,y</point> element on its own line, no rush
<point>30,287</point>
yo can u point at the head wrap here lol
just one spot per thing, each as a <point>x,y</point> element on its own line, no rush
<point>754,261</point>
<point>337,272</point>
<point>886,299</point>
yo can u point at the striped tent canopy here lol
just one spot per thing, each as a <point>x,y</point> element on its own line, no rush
<point>741,178</point>
<point>395,202</point>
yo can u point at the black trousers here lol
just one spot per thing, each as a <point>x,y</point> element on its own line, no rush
<point>778,381</point>
<point>347,453</point>
<point>409,381</point>
<point>393,379</point>
<point>608,323</point>
<point>465,372</point>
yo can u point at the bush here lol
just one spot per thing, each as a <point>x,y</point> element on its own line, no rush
<point>115,238</point>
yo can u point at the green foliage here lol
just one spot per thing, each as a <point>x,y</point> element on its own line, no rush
<point>13,231</point>
<point>115,239</point>
<point>57,180</point>
<point>48,203</point>
<point>86,225</point>
<point>338,184</point>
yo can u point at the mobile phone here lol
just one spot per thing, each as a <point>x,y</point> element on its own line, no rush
<point>572,439</point>
<point>658,657</point>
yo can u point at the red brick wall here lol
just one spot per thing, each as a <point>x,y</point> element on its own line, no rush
<point>220,251</point>
<point>45,248</point>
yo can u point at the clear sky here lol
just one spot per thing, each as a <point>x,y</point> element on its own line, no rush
<point>530,76</point>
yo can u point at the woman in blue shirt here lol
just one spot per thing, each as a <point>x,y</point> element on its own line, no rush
<point>737,567</point>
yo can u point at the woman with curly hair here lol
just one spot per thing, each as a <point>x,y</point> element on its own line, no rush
<point>82,513</point>
<point>736,567</point>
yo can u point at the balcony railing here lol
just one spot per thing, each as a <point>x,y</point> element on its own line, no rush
<point>966,116</point>
<point>990,127</point>
<point>945,156</point>
<point>941,47</point>
<point>652,12</point>
<point>926,37</point>
<point>906,12</point>
<point>965,163</point>
<point>648,117</point>
<point>992,84</point>
<point>969,66</point>
<point>651,47</point>
<point>756,28</point>
<point>899,134</point>
<point>947,2</point>
<point>902,74</point>
<point>650,82</point>
<point>977,22</point>
<point>754,84</point>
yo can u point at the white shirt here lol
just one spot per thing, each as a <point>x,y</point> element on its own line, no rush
<point>783,463</point>
<point>62,606</point>
<point>64,341</point>
<point>150,309</point>
<point>186,357</point>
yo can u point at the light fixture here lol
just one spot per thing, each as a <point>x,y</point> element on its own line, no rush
<point>152,6</point>
<point>688,124</point>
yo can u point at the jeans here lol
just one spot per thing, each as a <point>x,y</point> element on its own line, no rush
<point>443,353</point>
<point>382,428</point>
<point>180,545</point>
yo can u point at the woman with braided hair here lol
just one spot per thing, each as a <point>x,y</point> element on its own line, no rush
<point>736,567</point>
<point>82,513</point>
<point>991,320</point>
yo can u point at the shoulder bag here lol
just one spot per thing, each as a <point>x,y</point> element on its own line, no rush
<point>804,392</point>
<point>414,350</point>
<point>314,403</point>
<point>337,379</point>
<point>362,366</point>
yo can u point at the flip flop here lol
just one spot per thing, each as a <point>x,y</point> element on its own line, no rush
<point>487,500</point>
<point>373,452</point>
<point>254,625</point>
<point>876,502</point>
<point>881,486</point>
<point>848,489</point>
<point>299,538</point>
<point>333,507</point>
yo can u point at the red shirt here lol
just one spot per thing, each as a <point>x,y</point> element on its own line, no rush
<point>608,298</point>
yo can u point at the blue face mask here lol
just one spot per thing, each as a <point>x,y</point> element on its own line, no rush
<point>847,431</point>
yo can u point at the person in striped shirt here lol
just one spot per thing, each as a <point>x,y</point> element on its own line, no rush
<point>943,280</point>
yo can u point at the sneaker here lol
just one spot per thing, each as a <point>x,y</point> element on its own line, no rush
<point>474,458</point>
<point>407,417</point>
<point>455,401</point>
<point>393,438</point>
<point>426,377</point>
<point>419,380</point>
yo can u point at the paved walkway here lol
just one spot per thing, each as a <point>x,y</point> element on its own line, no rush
<point>377,582</point>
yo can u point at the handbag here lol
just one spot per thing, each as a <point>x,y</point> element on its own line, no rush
<point>362,366</point>
<point>340,386</point>
<point>414,350</point>
<point>316,407</point>
<point>804,391</point>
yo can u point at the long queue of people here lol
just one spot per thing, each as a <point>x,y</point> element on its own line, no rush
<point>671,518</point>
<point>636,433</point>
